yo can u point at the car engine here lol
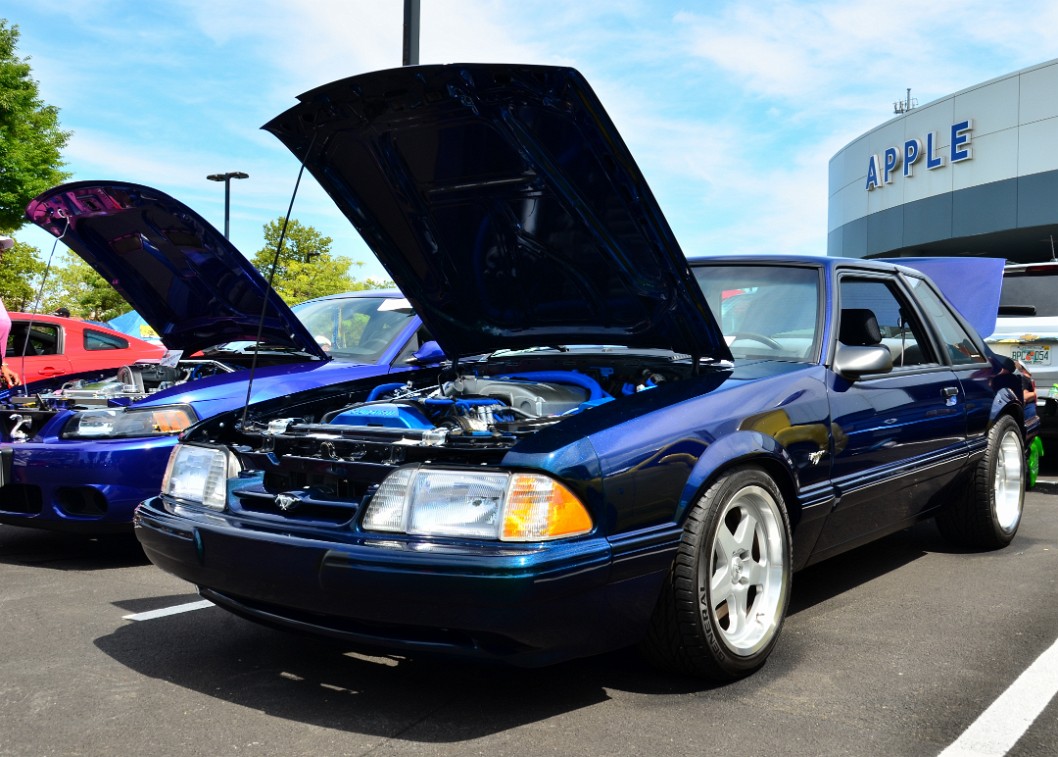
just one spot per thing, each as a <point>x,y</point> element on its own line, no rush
<point>29,412</point>
<point>334,448</point>
<point>480,407</point>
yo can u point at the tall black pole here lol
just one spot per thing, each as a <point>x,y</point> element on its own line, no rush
<point>227,204</point>
<point>411,33</point>
<point>226,178</point>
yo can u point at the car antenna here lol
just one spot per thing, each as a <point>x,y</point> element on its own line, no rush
<point>271,277</point>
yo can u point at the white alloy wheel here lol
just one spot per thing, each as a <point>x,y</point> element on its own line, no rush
<point>741,587</point>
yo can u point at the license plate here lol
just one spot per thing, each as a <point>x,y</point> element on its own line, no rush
<point>1032,354</point>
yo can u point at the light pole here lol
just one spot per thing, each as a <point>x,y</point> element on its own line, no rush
<point>226,178</point>
<point>411,32</point>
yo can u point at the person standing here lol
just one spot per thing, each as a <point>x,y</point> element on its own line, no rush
<point>7,376</point>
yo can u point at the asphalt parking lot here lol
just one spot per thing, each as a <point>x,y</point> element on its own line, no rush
<point>894,649</point>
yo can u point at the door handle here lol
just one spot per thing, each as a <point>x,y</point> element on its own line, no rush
<point>951,395</point>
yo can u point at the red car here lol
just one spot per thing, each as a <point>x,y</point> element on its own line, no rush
<point>59,346</point>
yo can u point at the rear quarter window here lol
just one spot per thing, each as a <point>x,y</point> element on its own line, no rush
<point>97,340</point>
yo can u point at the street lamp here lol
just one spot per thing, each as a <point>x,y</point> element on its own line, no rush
<point>226,178</point>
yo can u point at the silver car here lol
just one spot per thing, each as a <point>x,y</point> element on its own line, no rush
<point>1027,331</point>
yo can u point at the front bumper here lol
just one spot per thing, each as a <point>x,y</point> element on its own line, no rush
<point>83,486</point>
<point>531,604</point>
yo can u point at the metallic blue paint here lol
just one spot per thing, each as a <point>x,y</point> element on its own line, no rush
<point>853,459</point>
<point>507,223</point>
<point>93,485</point>
<point>856,459</point>
<point>194,288</point>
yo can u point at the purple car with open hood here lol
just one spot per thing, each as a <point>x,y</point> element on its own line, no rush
<point>627,447</point>
<point>81,456</point>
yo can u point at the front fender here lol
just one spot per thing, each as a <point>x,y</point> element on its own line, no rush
<point>729,451</point>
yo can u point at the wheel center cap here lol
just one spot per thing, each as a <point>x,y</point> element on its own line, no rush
<point>736,570</point>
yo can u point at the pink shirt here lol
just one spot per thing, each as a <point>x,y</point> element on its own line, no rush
<point>5,329</point>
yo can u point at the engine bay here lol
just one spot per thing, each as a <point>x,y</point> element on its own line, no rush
<point>131,382</point>
<point>334,446</point>
<point>29,412</point>
<point>486,405</point>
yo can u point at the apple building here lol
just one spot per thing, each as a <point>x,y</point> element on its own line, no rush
<point>973,173</point>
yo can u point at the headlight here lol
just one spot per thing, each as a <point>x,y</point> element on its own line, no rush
<point>476,504</point>
<point>199,475</point>
<point>126,422</point>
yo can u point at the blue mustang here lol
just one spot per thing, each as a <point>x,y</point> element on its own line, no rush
<point>650,446</point>
<point>82,457</point>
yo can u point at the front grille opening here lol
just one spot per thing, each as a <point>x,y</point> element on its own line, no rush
<point>24,499</point>
<point>324,485</point>
<point>81,501</point>
<point>318,510</point>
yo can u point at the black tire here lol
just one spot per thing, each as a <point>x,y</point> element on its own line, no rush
<point>693,629</point>
<point>988,512</point>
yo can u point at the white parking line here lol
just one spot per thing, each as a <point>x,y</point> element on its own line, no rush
<point>174,610</point>
<point>1001,725</point>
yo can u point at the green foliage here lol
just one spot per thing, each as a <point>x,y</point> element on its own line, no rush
<point>305,267</point>
<point>20,274</point>
<point>31,141</point>
<point>77,287</point>
<point>69,283</point>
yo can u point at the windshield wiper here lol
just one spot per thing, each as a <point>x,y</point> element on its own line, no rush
<point>522,350</point>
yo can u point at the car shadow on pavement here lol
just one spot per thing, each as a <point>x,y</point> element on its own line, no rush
<point>314,682</point>
<point>63,551</point>
<point>423,699</point>
<point>835,576</point>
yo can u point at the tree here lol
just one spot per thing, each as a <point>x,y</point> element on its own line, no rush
<point>31,141</point>
<point>20,277</point>
<point>305,267</point>
<point>77,287</point>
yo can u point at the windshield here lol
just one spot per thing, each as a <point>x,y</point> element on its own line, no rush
<point>767,311</point>
<point>358,329</point>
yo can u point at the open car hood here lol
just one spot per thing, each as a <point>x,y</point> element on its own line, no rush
<point>505,205</point>
<point>972,285</point>
<point>190,284</point>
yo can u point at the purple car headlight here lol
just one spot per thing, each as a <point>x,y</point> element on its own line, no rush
<point>129,422</point>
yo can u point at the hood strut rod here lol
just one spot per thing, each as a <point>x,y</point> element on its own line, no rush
<point>271,277</point>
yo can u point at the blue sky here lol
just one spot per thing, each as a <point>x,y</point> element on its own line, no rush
<point>732,109</point>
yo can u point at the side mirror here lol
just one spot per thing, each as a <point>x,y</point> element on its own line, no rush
<point>853,362</point>
<point>430,352</point>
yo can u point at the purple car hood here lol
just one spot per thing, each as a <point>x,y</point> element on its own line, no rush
<point>190,284</point>
<point>505,205</point>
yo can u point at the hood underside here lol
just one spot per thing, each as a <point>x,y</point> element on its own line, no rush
<point>505,205</point>
<point>972,285</point>
<point>190,284</point>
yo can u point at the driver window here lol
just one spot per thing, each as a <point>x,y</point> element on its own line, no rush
<point>897,325</point>
<point>43,339</point>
